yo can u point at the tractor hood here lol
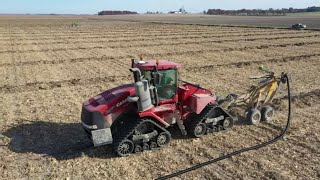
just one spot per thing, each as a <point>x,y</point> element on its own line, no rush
<point>107,101</point>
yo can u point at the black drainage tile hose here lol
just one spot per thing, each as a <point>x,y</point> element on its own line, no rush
<point>280,136</point>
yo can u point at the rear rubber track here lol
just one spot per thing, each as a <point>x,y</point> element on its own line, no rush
<point>195,119</point>
<point>127,129</point>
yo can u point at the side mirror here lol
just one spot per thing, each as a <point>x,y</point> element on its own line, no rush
<point>136,74</point>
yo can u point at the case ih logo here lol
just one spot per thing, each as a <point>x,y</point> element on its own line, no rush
<point>116,106</point>
<point>121,103</point>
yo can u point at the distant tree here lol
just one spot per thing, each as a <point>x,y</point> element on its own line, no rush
<point>291,10</point>
<point>260,12</point>
<point>242,12</point>
<point>313,9</point>
<point>115,12</point>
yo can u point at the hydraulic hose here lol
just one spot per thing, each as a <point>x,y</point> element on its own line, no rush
<point>195,167</point>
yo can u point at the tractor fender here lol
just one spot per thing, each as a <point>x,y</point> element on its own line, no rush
<point>150,113</point>
<point>199,101</point>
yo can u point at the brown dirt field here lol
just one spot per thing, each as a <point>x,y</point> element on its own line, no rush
<point>48,69</point>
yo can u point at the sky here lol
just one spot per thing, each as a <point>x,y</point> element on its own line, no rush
<point>141,6</point>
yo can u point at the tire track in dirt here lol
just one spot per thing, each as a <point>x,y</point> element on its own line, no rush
<point>131,28</point>
<point>135,31</point>
<point>128,45</point>
<point>76,33</point>
<point>63,83</point>
<point>105,58</point>
<point>98,80</point>
<point>155,45</point>
<point>213,41</point>
<point>159,37</point>
<point>160,34</point>
<point>247,63</point>
<point>162,44</point>
<point>104,31</point>
<point>251,136</point>
<point>302,99</point>
<point>304,145</point>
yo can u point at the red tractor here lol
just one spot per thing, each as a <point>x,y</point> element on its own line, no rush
<point>135,117</point>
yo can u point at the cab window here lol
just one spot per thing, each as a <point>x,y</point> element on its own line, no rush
<point>167,88</point>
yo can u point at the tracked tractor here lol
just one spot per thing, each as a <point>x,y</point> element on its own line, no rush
<point>135,117</point>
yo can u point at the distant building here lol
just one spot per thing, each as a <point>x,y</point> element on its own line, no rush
<point>181,11</point>
<point>175,12</point>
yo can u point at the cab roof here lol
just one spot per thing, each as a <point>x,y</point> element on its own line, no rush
<point>160,64</point>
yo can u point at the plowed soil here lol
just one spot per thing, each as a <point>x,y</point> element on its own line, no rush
<point>47,69</point>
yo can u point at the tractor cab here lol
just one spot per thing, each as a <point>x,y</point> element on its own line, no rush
<point>163,76</point>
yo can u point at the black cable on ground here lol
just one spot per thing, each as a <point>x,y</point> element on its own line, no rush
<point>241,150</point>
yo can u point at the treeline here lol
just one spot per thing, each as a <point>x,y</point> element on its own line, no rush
<point>116,12</point>
<point>247,12</point>
<point>261,12</point>
<point>309,9</point>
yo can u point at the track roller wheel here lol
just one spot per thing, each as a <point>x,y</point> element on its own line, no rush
<point>219,128</point>
<point>209,130</point>
<point>214,129</point>
<point>125,148</point>
<point>153,145</point>
<point>163,139</point>
<point>254,116</point>
<point>267,113</point>
<point>227,123</point>
<point>200,130</point>
<point>145,146</point>
<point>138,149</point>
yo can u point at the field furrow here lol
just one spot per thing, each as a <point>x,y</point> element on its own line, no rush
<point>217,40</point>
<point>57,39</point>
<point>166,52</point>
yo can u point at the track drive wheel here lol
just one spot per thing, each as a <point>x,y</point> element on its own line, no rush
<point>124,148</point>
<point>163,139</point>
<point>153,145</point>
<point>254,116</point>
<point>267,113</point>
<point>138,149</point>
